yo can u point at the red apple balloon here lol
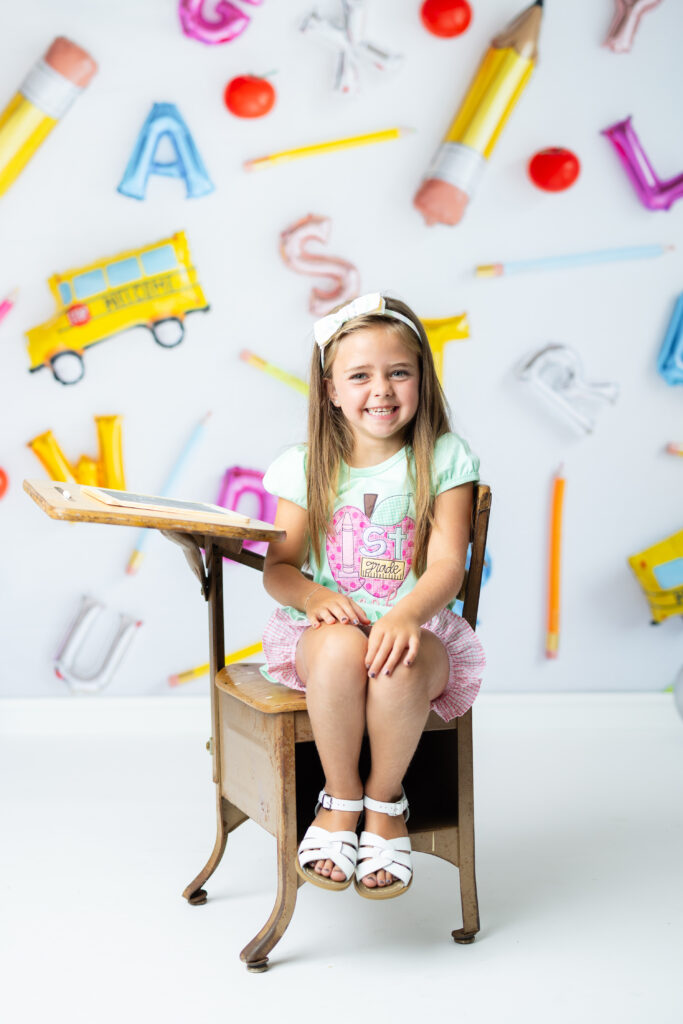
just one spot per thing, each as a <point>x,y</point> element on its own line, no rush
<point>446,18</point>
<point>249,96</point>
<point>554,169</point>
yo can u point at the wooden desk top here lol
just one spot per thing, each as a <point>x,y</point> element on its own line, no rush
<point>82,508</point>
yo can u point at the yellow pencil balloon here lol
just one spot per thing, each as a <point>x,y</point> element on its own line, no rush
<point>274,371</point>
<point>349,142</point>
<point>44,96</point>
<point>503,74</point>
<point>552,636</point>
<point>201,670</point>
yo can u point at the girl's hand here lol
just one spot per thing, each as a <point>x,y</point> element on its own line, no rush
<point>323,605</point>
<point>396,635</point>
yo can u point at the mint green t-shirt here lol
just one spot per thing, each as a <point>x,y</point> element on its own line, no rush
<point>368,550</point>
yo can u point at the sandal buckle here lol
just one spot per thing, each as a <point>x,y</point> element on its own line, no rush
<point>326,801</point>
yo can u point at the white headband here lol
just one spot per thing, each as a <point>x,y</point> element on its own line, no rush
<point>374,303</point>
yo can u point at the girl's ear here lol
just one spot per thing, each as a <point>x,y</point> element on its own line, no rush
<point>331,392</point>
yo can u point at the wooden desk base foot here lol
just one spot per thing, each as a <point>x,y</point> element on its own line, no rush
<point>462,937</point>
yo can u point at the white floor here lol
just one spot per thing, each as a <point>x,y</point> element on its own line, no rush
<point>108,811</point>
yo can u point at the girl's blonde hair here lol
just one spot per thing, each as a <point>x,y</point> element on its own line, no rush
<point>330,439</point>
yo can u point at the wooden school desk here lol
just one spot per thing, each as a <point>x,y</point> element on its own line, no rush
<point>262,743</point>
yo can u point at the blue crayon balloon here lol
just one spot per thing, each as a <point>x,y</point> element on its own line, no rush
<point>670,360</point>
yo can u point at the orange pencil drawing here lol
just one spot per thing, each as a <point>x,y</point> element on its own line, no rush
<point>552,641</point>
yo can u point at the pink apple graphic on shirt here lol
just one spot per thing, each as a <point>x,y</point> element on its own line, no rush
<point>372,551</point>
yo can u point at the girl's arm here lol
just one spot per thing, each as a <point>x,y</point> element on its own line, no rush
<point>397,634</point>
<point>283,579</point>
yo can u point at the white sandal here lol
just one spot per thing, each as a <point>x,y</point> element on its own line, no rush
<point>379,854</point>
<point>339,847</point>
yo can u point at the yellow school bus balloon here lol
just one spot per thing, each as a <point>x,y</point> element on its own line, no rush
<point>155,286</point>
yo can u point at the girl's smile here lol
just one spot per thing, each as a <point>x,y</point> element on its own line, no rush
<point>376,384</point>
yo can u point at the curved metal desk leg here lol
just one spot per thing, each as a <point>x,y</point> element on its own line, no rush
<point>468,882</point>
<point>194,893</point>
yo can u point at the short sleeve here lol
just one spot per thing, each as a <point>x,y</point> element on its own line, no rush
<point>286,477</point>
<point>454,463</point>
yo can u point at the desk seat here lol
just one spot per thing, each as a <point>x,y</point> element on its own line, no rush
<point>244,681</point>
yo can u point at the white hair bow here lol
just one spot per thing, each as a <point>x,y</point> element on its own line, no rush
<point>324,329</point>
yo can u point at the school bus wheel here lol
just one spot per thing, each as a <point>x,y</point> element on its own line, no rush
<point>169,332</point>
<point>67,367</point>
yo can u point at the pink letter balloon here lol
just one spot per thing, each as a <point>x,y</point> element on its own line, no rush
<point>237,482</point>
<point>653,193</point>
<point>627,16</point>
<point>229,24</point>
<point>294,241</point>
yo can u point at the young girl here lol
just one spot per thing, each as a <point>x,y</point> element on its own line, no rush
<point>378,505</point>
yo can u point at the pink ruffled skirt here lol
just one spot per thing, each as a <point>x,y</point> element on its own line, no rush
<point>465,655</point>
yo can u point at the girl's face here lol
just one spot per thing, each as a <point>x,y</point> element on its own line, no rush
<point>376,384</point>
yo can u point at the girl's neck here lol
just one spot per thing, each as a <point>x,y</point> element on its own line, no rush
<point>368,453</point>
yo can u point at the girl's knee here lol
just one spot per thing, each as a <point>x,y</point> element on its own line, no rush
<point>335,650</point>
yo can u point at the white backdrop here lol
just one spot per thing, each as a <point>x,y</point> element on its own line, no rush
<point>623,494</point>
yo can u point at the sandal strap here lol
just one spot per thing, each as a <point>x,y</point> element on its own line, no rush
<point>379,854</point>
<point>332,803</point>
<point>393,810</point>
<point>339,847</point>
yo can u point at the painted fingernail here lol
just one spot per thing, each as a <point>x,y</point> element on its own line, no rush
<point>387,672</point>
<point>372,675</point>
<point>355,622</point>
<point>344,619</point>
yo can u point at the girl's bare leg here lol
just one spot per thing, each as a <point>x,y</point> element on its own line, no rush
<point>330,660</point>
<point>396,711</point>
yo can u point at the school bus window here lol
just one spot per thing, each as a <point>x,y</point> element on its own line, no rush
<point>155,261</point>
<point>669,574</point>
<point>89,284</point>
<point>123,271</point>
<point>65,292</point>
